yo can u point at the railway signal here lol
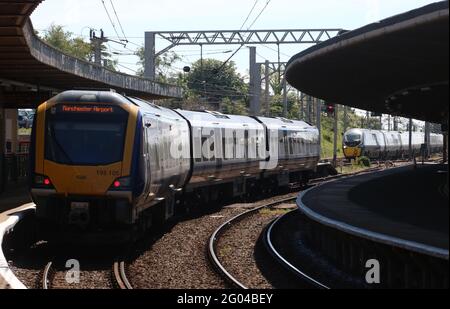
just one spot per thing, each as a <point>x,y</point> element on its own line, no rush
<point>329,108</point>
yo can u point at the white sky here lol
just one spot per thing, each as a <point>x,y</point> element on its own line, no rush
<point>138,16</point>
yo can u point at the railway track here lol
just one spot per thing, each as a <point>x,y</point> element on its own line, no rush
<point>46,276</point>
<point>212,245</point>
<point>297,270</point>
<point>118,276</point>
<point>215,236</point>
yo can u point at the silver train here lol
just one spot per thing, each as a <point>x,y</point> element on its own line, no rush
<point>101,159</point>
<point>376,144</point>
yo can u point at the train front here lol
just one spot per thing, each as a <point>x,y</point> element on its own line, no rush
<point>353,143</point>
<point>83,160</point>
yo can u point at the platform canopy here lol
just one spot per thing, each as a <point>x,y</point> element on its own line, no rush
<point>397,66</point>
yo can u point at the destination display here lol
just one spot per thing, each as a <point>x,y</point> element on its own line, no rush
<point>86,109</point>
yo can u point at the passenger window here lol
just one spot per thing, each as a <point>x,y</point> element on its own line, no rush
<point>234,144</point>
<point>246,146</point>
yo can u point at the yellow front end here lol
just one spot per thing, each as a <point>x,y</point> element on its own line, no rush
<point>67,191</point>
<point>352,152</point>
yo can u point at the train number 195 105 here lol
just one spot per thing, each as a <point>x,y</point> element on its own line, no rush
<point>108,173</point>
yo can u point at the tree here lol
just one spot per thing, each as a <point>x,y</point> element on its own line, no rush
<point>277,106</point>
<point>214,81</point>
<point>163,65</point>
<point>65,41</point>
<point>234,107</point>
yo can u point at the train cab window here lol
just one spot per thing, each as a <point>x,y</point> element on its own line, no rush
<point>352,139</point>
<point>85,138</point>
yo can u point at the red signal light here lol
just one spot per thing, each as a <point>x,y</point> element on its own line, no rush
<point>330,109</point>
<point>47,182</point>
<point>116,184</point>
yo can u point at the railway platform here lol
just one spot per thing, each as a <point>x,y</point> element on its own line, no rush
<point>406,204</point>
<point>399,216</point>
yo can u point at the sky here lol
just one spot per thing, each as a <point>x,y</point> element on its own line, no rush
<point>138,16</point>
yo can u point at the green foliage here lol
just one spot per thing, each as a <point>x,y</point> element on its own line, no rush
<point>327,122</point>
<point>214,81</point>
<point>328,137</point>
<point>234,107</point>
<point>65,41</point>
<point>363,161</point>
<point>163,65</point>
<point>277,107</point>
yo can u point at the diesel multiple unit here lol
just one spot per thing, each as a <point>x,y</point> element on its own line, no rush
<point>101,160</point>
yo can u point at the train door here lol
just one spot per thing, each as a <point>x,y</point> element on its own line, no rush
<point>219,149</point>
<point>155,156</point>
<point>379,150</point>
<point>146,157</point>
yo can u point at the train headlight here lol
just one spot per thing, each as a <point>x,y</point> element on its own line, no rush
<point>120,184</point>
<point>42,181</point>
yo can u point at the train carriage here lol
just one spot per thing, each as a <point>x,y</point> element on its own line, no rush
<point>101,160</point>
<point>376,144</point>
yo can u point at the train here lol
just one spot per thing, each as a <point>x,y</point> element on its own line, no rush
<point>102,160</point>
<point>378,144</point>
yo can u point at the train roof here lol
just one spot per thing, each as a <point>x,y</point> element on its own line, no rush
<point>90,96</point>
<point>104,96</point>
<point>216,117</point>
<point>148,107</point>
<point>286,123</point>
<point>385,131</point>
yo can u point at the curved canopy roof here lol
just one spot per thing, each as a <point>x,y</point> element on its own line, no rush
<point>396,66</point>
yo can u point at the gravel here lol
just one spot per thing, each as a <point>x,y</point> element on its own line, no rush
<point>178,260</point>
<point>237,246</point>
<point>88,279</point>
<point>95,265</point>
<point>175,258</point>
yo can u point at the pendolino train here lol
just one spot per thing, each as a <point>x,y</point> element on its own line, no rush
<point>376,144</point>
<point>100,160</point>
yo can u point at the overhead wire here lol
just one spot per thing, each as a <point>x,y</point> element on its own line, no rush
<point>240,47</point>
<point>118,20</point>
<point>260,13</point>
<point>249,14</point>
<point>110,19</point>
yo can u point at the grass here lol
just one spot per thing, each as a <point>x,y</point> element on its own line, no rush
<point>354,168</point>
<point>226,250</point>
<point>274,211</point>
<point>328,139</point>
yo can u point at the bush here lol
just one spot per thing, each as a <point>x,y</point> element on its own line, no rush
<point>364,161</point>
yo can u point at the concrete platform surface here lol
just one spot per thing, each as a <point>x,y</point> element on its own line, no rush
<point>402,203</point>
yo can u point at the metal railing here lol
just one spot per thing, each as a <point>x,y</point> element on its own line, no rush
<point>15,169</point>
